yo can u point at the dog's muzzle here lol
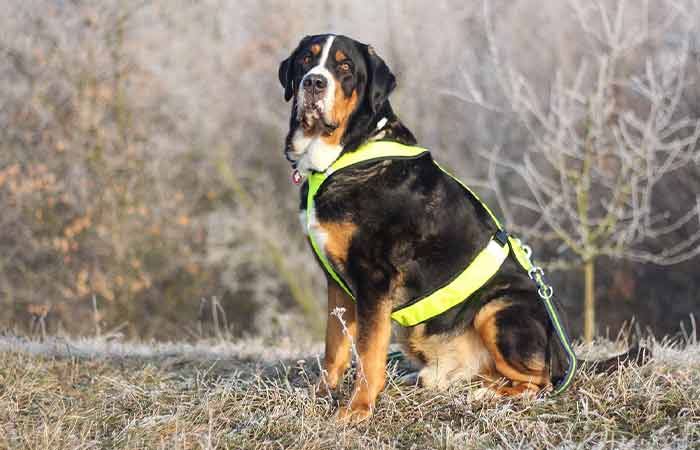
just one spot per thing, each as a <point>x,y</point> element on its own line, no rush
<point>314,86</point>
<point>315,104</point>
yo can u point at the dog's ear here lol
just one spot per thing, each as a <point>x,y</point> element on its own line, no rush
<point>286,70</point>
<point>380,80</point>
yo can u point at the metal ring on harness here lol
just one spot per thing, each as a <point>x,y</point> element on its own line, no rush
<point>545,291</point>
<point>535,271</point>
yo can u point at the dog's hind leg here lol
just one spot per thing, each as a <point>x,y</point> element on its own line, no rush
<point>517,341</point>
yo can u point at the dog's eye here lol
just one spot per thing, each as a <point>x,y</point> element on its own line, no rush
<point>306,59</point>
<point>345,67</point>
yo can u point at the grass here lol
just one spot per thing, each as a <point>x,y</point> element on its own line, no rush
<point>91,393</point>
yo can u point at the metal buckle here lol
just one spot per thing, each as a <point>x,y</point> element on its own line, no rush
<point>502,237</point>
<point>535,271</point>
<point>545,291</point>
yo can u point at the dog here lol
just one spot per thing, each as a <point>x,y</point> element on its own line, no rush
<point>396,229</point>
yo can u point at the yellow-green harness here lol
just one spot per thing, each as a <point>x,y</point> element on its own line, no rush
<point>484,266</point>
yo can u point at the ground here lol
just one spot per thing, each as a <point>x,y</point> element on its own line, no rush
<point>93,393</point>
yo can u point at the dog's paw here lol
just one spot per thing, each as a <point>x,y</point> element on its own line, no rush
<point>353,414</point>
<point>483,394</point>
<point>324,390</point>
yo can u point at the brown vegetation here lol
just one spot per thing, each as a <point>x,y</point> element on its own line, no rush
<point>95,394</point>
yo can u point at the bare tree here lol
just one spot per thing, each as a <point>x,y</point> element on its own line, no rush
<point>601,145</point>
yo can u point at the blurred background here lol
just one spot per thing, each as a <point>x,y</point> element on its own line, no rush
<point>144,193</point>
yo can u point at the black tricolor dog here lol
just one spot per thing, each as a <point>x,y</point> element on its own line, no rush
<point>396,229</point>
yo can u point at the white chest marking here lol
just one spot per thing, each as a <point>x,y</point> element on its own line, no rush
<point>315,154</point>
<point>319,236</point>
<point>302,221</point>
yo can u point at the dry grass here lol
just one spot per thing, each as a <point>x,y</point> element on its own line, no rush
<point>95,394</point>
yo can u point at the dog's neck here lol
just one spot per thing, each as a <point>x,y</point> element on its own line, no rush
<point>384,125</point>
<point>317,155</point>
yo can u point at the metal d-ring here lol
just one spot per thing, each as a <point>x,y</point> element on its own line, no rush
<point>536,270</point>
<point>545,291</point>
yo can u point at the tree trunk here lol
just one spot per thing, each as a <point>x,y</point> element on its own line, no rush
<point>589,301</point>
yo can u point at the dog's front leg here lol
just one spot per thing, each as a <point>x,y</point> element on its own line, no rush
<point>373,343</point>
<point>338,337</point>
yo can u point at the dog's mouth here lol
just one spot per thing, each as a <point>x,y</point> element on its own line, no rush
<point>314,120</point>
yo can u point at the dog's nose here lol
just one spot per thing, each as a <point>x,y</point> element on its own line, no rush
<point>315,83</point>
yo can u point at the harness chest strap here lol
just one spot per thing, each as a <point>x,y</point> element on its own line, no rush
<point>484,266</point>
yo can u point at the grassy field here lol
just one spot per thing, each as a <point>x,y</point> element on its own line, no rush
<point>92,393</point>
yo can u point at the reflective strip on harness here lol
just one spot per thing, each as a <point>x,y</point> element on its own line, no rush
<point>565,382</point>
<point>315,181</point>
<point>374,150</point>
<point>484,266</point>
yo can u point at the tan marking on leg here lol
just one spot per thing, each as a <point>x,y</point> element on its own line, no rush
<point>338,343</point>
<point>371,371</point>
<point>536,363</point>
<point>488,311</point>
<point>485,324</point>
<point>339,237</point>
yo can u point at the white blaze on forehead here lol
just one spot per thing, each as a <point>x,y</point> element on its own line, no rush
<point>326,51</point>
<point>320,69</point>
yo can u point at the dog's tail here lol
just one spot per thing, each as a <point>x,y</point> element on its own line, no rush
<point>637,354</point>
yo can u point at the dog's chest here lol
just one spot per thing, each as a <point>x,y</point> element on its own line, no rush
<point>330,237</point>
<point>313,229</point>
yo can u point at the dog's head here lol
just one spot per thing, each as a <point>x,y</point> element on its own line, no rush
<point>338,87</point>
